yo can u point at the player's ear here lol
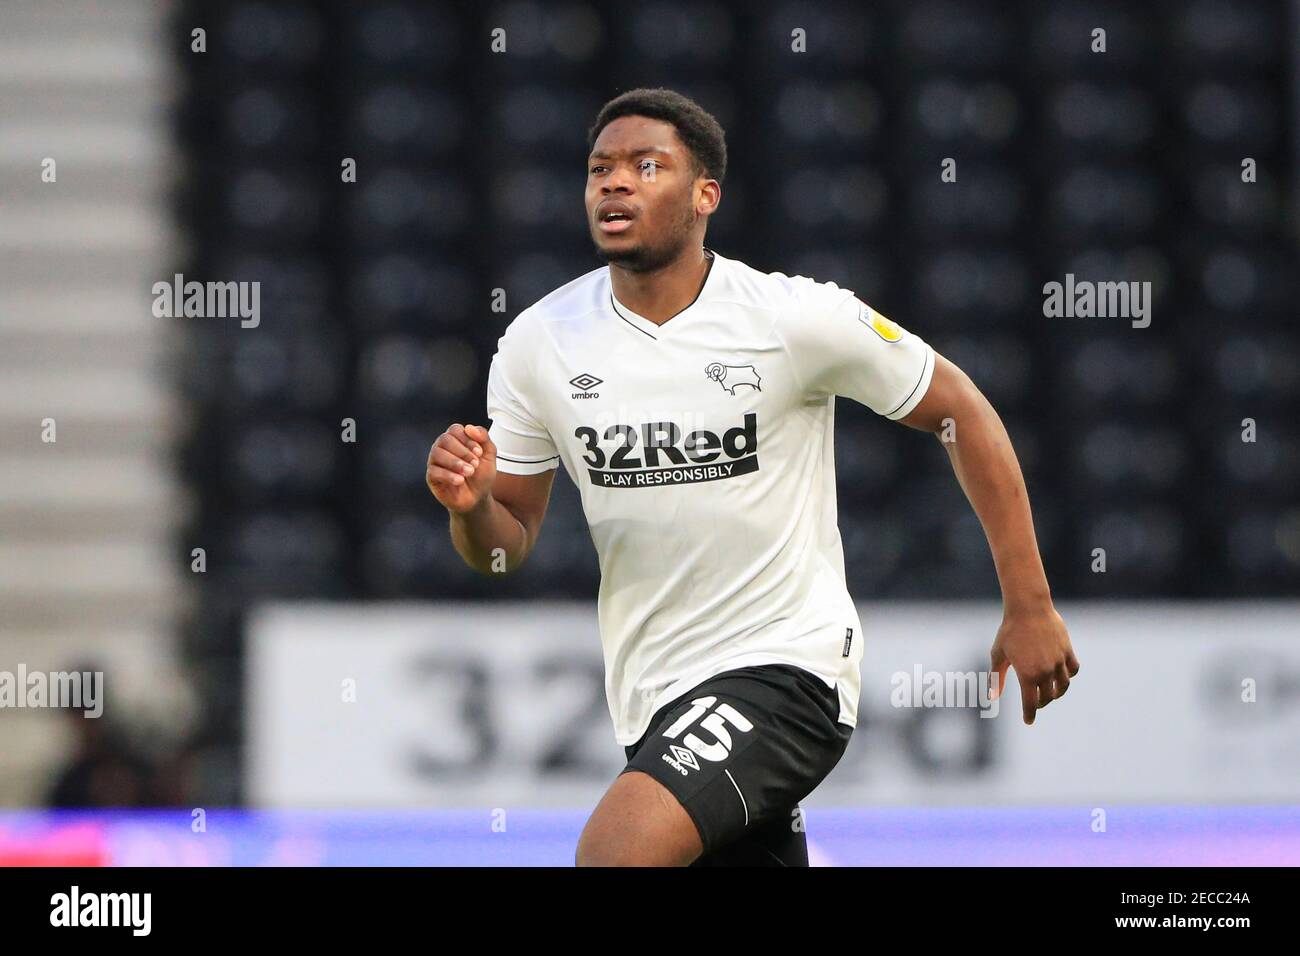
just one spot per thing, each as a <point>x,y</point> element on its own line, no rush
<point>710,194</point>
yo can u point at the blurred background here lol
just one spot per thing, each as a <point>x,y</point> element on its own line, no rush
<point>206,532</point>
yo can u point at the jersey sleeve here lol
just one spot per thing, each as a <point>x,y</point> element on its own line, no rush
<point>839,345</point>
<point>524,446</point>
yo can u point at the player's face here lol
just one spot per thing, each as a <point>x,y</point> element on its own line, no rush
<point>639,168</point>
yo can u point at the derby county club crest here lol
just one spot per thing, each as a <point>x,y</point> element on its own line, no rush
<point>732,376</point>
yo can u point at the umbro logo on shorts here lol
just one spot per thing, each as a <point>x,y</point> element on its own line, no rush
<point>685,760</point>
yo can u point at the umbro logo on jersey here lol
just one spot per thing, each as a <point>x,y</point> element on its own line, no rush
<point>586,381</point>
<point>730,377</point>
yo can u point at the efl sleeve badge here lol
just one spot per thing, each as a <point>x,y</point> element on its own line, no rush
<point>887,330</point>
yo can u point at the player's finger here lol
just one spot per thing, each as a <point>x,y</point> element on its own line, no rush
<point>441,476</point>
<point>461,435</point>
<point>1072,662</point>
<point>445,447</point>
<point>999,665</point>
<point>442,458</point>
<point>452,445</point>
<point>480,435</point>
<point>1028,699</point>
<point>1062,679</point>
<point>1046,693</point>
<point>998,680</point>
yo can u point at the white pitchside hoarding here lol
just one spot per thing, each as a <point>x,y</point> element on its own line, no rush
<point>468,705</point>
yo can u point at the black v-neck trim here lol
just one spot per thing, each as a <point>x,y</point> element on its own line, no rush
<point>613,303</point>
<point>708,254</point>
<point>614,306</point>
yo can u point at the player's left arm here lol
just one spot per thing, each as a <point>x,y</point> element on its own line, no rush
<point>1032,638</point>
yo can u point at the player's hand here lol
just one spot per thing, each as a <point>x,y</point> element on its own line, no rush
<point>462,467</point>
<point>1037,645</point>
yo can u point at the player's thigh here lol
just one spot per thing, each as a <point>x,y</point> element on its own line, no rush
<point>638,822</point>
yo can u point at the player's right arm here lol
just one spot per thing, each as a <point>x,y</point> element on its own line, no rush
<point>496,486</point>
<point>495,517</point>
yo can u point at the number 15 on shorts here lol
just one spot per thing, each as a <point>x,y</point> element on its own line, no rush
<point>715,723</point>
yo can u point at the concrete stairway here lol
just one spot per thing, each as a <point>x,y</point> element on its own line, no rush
<point>88,566</point>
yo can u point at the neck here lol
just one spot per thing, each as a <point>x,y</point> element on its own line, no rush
<point>661,294</point>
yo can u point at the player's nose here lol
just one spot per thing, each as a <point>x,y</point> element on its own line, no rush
<point>621,180</point>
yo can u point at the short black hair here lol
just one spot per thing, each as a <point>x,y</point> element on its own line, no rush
<point>695,126</point>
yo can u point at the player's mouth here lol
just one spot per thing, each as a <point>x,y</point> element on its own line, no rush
<point>613,217</point>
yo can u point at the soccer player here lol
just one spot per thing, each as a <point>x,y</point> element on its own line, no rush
<point>691,398</point>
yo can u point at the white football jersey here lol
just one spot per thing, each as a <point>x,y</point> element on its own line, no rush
<point>703,450</point>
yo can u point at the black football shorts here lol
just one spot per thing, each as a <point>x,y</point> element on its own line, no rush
<point>739,752</point>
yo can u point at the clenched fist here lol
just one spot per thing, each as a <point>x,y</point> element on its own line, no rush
<point>462,466</point>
